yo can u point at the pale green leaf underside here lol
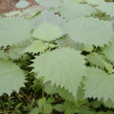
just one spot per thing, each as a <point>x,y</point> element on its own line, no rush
<point>35,47</point>
<point>109,51</point>
<point>107,7</point>
<point>95,2</point>
<point>49,17</point>
<point>49,3</point>
<point>22,4</point>
<point>96,59</point>
<point>72,11</point>
<point>64,67</point>
<point>15,50</point>
<point>47,32</point>
<point>65,40</point>
<point>14,30</point>
<point>90,31</point>
<point>11,77</point>
<point>99,85</point>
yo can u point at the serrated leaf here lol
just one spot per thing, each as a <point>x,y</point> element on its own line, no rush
<point>11,77</point>
<point>108,50</point>
<point>15,50</point>
<point>35,47</point>
<point>22,4</point>
<point>47,31</point>
<point>14,30</point>
<point>107,7</point>
<point>65,40</point>
<point>61,91</point>
<point>108,103</point>
<point>95,2</point>
<point>90,31</point>
<point>49,17</point>
<point>72,11</point>
<point>64,67</point>
<point>96,59</point>
<point>49,3</point>
<point>99,84</point>
<point>59,107</point>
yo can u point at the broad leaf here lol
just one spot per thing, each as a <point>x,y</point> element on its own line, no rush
<point>3,55</point>
<point>96,59</point>
<point>90,31</point>
<point>108,8</point>
<point>47,32</point>
<point>15,50</point>
<point>49,3</point>
<point>51,18</point>
<point>108,103</point>
<point>14,30</point>
<point>67,41</point>
<point>109,51</point>
<point>95,2</point>
<point>72,11</point>
<point>35,47</point>
<point>99,85</point>
<point>11,77</point>
<point>22,4</point>
<point>64,67</point>
<point>59,107</point>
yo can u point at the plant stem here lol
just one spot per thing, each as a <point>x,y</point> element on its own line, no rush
<point>42,97</point>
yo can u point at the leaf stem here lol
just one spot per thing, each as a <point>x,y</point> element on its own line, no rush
<point>42,97</point>
<point>69,43</point>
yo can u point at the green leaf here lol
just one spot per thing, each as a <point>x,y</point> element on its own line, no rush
<point>108,103</point>
<point>41,102</point>
<point>11,77</point>
<point>88,48</point>
<point>62,92</point>
<point>47,31</point>
<point>64,67</point>
<point>22,4</point>
<point>96,59</point>
<point>72,11</point>
<point>48,108</point>
<point>13,13</point>
<point>34,111</point>
<point>108,50</point>
<point>3,55</point>
<point>14,30</point>
<point>50,99</point>
<point>59,107</point>
<point>107,7</point>
<point>68,111</point>
<point>15,50</point>
<point>90,31</point>
<point>95,2</point>
<point>99,85</point>
<point>49,17</point>
<point>65,40</point>
<point>49,3</point>
<point>35,47</point>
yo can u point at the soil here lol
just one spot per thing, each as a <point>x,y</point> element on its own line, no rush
<point>9,5</point>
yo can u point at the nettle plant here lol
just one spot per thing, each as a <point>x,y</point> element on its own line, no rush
<point>73,46</point>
